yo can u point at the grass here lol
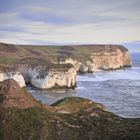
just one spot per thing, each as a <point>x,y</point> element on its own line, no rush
<point>72,104</point>
<point>50,53</point>
<point>8,59</point>
<point>39,123</point>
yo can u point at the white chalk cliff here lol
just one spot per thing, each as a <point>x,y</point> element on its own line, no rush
<point>53,78</point>
<point>103,57</point>
<point>57,66</point>
<point>79,66</point>
<point>13,75</point>
<point>111,60</point>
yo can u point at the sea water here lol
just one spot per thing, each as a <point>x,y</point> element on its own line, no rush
<point>118,90</point>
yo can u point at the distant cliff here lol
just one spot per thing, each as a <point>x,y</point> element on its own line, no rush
<point>86,58</point>
<point>31,61</point>
<point>94,57</point>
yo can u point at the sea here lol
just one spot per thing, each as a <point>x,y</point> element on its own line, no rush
<point>118,90</point>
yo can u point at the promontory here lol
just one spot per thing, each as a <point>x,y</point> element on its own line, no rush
<point>71,118</point>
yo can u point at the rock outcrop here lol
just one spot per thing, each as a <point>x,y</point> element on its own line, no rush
<point>6,73</point>
<point>47,76</point>
<point>23,69</point>
<point>61,76</point>
<point>11,95</point>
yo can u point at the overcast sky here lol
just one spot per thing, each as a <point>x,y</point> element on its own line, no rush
<point>69,21</point>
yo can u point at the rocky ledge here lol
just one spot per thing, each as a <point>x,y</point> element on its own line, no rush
<point>72,118</point>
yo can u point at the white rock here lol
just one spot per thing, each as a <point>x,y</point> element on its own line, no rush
<point>111,60</point>
<point>79,66</point>
<point>91,66</point>
<point>13,75</point>
<point>83,68</point>
<point>53,78</point>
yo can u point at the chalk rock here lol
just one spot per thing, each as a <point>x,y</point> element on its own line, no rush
<point>13,75</point>
<point>58,77</point>
<point>91,66</point>
<point>79,66</point>
<point>106,57</point>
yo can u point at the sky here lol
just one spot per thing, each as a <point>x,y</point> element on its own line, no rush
<point>56,22</point>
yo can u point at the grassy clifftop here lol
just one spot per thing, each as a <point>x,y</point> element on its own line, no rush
<point>41,124</point>
<point>10,53</point>
<point>27,119</point>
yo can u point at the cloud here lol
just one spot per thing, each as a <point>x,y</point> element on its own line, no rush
<point>85,33</point>
<point>89,10</point>
<point>76,22</point>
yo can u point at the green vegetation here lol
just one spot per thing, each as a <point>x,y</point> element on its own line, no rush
<point>89,122</point>
<point>74,104</point>
<point>8,59</point>
<point>48,54</point>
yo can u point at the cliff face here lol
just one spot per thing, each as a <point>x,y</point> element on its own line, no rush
<point>112,59</point>
<point>100,57</point>
<point>72,118</point>
<point>89,66</point>
<point>12,74</point>
<point>39,64</point>
<point>85,58</point>
<point>41,76</point>
<point>63,76</point>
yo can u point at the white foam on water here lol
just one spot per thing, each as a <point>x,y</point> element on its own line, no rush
<point>126,74</point>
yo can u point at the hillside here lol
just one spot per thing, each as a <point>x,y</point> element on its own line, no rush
<point>70,118</point>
